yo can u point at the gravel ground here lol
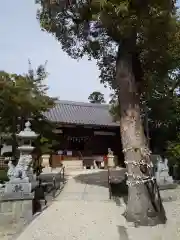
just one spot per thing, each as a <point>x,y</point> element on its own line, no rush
<point>12,231</point>
<point>83,211</point>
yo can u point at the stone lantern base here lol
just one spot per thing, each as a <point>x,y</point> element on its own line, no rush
<point>111,162</point>
<point>45,163</point>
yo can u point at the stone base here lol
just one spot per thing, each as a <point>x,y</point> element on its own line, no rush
<point>24,187</point>
<point>15,196</point>
<point>111,162</point>
<point>163,178</point>
<point>167,186</point>
<point>15,208</point>
<point>21,186</point>
<point>165,181</point>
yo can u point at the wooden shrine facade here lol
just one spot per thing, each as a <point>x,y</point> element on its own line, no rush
<point>85,140</point>
<point>85,129</point>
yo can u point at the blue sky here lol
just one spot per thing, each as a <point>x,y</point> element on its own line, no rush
<point>21,39</point>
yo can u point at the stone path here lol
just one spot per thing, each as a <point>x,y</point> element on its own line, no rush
<point>83,212</point>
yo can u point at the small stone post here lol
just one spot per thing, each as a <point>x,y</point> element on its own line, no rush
<point>110,157</point>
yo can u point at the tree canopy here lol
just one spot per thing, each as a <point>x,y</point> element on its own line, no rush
<point>97,28</point>
<point>96,97</point>
<point>24,97</point>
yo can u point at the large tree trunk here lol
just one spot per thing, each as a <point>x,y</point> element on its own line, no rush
<point>142,208</point>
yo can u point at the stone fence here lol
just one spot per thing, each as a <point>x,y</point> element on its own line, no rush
<point>15,208</point>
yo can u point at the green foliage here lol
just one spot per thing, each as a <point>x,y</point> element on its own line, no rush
<point>97,28</point>
<point>115,111</point>
<point>46,145</point>
<point>114,107</point>
<point>23,97</point>
<point>3,175</point>
<point>163,111</point>
<point>173,151</point>
<point>96,97</point>
<point>7,154</point>
<point>45,130</point>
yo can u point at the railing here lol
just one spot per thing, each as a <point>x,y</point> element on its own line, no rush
<point>109,183</point>
<point>57,184</point>
<point>39,195</point>
<point>47,187</point>
<point>116,182</point>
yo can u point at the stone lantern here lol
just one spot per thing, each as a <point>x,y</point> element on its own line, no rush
<point>21,177</point>
<point>26,137</point>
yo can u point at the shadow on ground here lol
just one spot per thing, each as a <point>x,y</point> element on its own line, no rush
<point>100,178</point>
<point>118,187</point>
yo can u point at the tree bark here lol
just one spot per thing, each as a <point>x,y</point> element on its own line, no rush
<point>141,208</point>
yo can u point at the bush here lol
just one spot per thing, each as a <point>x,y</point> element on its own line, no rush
<point>3,175</point>
<point>7,154</point>
<point>173,152</point>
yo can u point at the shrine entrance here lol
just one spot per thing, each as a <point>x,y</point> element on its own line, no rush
<point>77,143</point>
<point>87,141</point>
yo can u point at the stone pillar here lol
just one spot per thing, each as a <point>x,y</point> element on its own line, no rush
<point>45,162</point>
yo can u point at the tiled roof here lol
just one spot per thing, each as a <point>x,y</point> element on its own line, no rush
<point>81,113</point>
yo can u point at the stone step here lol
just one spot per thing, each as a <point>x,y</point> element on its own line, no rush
<point>72,164</point>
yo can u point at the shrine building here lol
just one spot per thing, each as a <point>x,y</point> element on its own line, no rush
<point>85,129</point>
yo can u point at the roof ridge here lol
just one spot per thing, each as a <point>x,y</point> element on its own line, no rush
<point>86,104</point>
